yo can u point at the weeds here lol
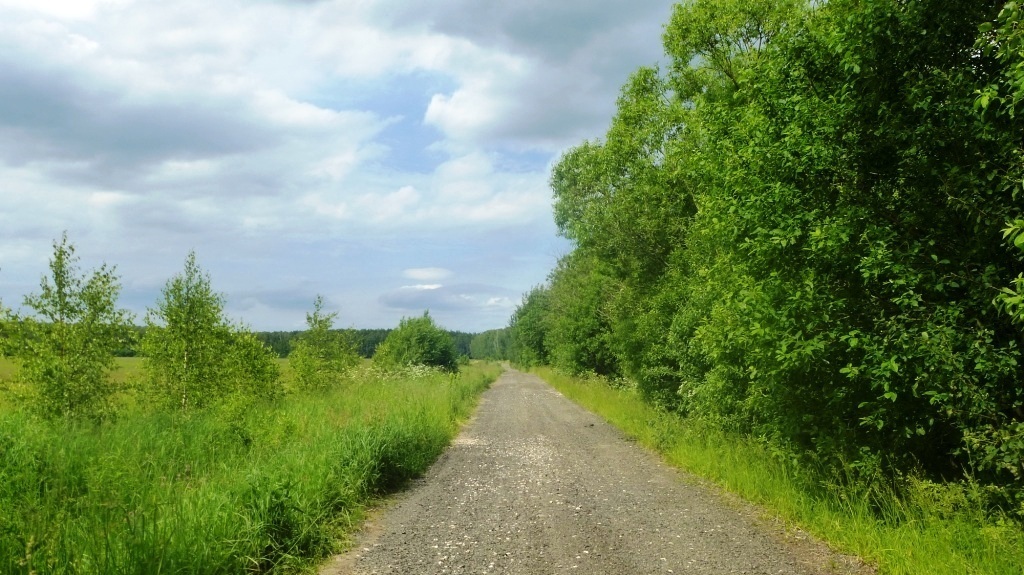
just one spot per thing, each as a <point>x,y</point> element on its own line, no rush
<point>255,488</point>
<point>914,528</point>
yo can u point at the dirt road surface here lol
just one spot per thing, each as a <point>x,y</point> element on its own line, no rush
<point>537,485</point>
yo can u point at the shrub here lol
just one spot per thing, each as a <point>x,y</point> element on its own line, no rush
<point>417,341</point>
<point>321,356</point>
<point>194,356</point>
<point>66,349</point>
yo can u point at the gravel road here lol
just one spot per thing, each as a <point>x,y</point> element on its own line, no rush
<point>537,485</point>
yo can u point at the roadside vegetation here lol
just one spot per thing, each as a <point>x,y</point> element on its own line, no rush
<point>417,341</point>
<point>239,488</point>
<point>208,454</point>
<point>804,230</point>
<point>924,528</point>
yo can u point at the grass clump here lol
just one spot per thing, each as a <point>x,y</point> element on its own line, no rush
<point>915,527</point>
<point>246,486</point>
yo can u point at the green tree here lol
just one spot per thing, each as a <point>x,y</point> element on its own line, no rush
<point>251,367</point>
<point>66,347</point>
<point>493,344</point>
<point>578,333</point>
<point>800,228</point>
<point>417,341</point>
<point>6,325</point>
<point>194,356</point>
<point>528,328</point>
<point>321,355</point>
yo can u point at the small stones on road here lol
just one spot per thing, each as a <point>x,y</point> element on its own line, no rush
<point>535,486</point>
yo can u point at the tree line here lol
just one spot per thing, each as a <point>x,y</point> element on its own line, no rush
<point>806,227</point>
<point>194,356</point>
<point>365,340</point>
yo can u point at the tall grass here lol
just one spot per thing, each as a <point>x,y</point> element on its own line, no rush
<point>241,488</point>
<point>7,368</point>
<point>925,528</point>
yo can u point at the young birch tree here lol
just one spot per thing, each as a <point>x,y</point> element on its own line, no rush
<point>186,340</point>
<point>194,355</point>
<point>321,356</point>
<point>418,341</point>
<point>65,348</point>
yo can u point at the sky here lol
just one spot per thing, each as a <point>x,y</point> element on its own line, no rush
<point>392,156</point>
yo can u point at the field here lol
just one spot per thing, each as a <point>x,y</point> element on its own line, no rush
<point>7,368</point>
<point>931,529</point>
<point>242,487</point>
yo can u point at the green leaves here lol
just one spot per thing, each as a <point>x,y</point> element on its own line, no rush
<point>794,231</point>
<point>66,347</point>
<point>712,41</point>
<point>1010,300</point>
<point>417,341</point>
<point>529,328</point>
<point>194,356</point>
<point>321,355</point>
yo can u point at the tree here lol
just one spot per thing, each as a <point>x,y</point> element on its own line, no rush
<point>320,355</point>
<point>417,341</point>
<point>528,328</point>
<point>798,231</point>
<point>194,356</point>
<point>577,334</point>
<point>251,367</point>
<point>5,330</point>
<point>66,348</point>
<point>493,344</point>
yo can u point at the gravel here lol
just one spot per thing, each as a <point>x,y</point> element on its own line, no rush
<point>537,485</point>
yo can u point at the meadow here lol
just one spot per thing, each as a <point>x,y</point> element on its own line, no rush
<point>925,529</point>
<point>246,486</point>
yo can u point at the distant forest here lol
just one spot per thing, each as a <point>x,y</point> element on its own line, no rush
<point>366,340</point>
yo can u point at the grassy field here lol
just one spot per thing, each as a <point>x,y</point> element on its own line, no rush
<point>7,368</point>
<point>930,530</point>
<point>240,488</point>
<point>127,367</point>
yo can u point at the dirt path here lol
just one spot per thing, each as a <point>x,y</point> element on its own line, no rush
<point>537,485</point>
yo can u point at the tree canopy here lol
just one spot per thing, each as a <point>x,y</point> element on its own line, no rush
<point>807,227</point>
<point>194,355</point>
<point>417,341</point>
<point>66,346</point>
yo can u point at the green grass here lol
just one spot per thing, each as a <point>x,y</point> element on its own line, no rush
<point>7,368</point>
<point>240,488</point>
<point>930,530</point>
<point>126,369</point>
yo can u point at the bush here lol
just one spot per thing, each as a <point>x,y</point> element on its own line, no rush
<point>194,356</point>
<point>417,341</point>
<point>66,349</point>
<point>321,356</point>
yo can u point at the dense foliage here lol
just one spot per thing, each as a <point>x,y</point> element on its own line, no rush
<point>806,227</point>
<point>194,355</point>
<point>417,341</point>
<point>321,356</point>
<point>365,340</point>
<point>493,344</point>
<point>65,348</point>
<point>272,488</point>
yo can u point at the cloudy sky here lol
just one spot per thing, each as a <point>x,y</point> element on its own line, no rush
<point>390,155</point>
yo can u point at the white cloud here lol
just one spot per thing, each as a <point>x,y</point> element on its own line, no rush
<point>421,287</point>
<point>65,9</point>
<point>264,134</point>
<point>427,274</point>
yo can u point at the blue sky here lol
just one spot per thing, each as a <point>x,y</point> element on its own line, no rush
<point>390,155</point>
